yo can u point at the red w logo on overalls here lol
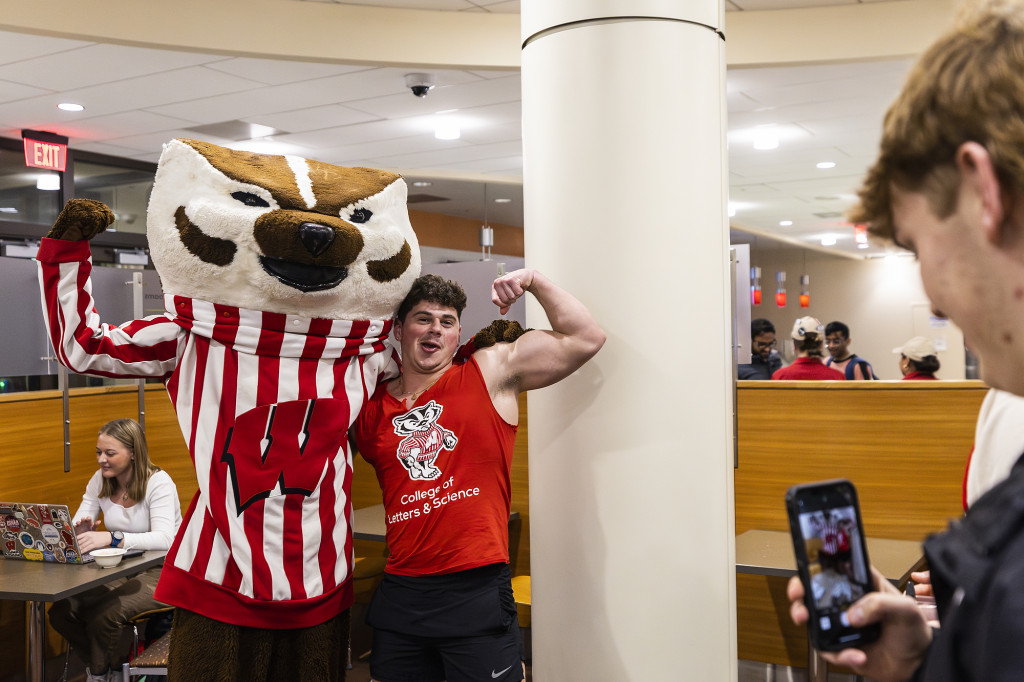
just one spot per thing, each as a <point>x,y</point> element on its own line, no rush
<point>272,446</point>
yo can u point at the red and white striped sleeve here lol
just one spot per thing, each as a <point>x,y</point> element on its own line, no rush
<point>84,344</point>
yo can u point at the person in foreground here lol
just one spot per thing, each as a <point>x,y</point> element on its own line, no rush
<point>140,509</point>
<point>949,186</point>
<point>440,438</point>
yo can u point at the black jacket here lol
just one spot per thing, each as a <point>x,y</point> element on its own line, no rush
<point>759,368</point>
<point>977,569</point>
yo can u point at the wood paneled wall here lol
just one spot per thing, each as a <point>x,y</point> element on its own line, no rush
<point>32,470</point>
<point>903,444</point>
<point>450,232</point>
<point>32,466</point>
<point>33,459</point>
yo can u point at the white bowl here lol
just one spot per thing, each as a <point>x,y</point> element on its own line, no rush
<point>108,557</point>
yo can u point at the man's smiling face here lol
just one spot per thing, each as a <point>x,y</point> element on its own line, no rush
<point>429,336</point>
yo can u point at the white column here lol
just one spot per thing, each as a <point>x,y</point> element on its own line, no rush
<point>632,547</point>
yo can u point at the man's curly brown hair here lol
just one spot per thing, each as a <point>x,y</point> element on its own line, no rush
<point>967,87</point>
<point>434,289</point>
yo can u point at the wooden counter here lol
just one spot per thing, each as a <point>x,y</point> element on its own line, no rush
<point>903,444</point>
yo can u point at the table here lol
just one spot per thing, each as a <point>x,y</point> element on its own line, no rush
<point>770,553</point>
<point>38,582</point>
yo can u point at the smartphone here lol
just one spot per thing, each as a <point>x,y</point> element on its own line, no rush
<point>832,559</point>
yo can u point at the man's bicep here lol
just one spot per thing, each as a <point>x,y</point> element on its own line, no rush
<point>541,357</point>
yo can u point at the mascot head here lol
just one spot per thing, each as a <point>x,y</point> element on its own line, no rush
<point>280,234</point>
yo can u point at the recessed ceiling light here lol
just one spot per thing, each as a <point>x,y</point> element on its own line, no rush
<point>447,130</point>
<point>257,131</point>
<point>826,164</point>
<point>863,246</point>
<point>765,137</point>
<point>785,223</point>
<point>70,106</point>
<point>828,241</point>
<point>48,182</point>
<point>502,201</point>
<point>8,209</point>
<point>422,183</point>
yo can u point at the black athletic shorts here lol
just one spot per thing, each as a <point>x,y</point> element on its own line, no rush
<point>458,627</point>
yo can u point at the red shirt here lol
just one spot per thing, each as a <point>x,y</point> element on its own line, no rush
<point>808,368</point>
<point>917,376</point>
<point>445,469</point>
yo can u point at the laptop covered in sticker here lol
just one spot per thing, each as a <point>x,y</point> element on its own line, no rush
<point>39,532</point>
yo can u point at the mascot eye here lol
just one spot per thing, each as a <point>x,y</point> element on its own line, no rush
<point>360,215</point>
<point>250,199</point>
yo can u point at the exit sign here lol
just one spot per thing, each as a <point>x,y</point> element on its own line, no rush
<point>45,150</point>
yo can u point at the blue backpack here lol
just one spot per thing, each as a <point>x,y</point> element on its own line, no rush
<point>854,361</point>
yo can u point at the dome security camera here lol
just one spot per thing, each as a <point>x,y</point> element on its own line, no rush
<point>419,83</point>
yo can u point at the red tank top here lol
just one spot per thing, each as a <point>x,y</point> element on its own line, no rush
<point>445,469</point>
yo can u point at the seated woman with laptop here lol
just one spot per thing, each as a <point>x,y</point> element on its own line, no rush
<point>140,509</point>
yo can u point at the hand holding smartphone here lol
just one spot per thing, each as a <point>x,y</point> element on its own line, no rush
<point>832,560</point>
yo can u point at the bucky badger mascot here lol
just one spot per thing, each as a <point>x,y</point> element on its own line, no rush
<point>281,276</point>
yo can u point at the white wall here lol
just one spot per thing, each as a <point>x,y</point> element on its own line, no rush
<point>878,299</point>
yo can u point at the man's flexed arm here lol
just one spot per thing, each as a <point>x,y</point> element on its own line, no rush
<point>540,357</point>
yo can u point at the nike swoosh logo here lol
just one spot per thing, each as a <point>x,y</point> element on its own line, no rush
<point>495,675</point>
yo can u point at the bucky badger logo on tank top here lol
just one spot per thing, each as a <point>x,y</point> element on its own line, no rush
<point>424,440</point>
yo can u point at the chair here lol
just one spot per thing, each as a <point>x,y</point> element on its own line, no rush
<point>153,659</point>
<point>521,593</point>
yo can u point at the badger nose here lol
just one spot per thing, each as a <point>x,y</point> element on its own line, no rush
<point>315,237</point>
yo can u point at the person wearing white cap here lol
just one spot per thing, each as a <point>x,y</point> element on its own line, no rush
<point>918,359</point>
<point>808,341</point>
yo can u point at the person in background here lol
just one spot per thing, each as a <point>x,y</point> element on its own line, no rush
<point>440,439</point>
<point>948,185</point>
<point>837,338</point>
<point>918,359</point>
<point>140,509</point>
<point>808,336</point>
<point>764,359</point>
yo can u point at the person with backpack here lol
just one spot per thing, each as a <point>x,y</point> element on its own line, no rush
<point>837,339</point>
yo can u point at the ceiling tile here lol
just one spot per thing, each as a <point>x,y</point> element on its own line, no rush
<point>115,125</point>
<point>97,63</point>
<point>454,90</point>
<point>275,72</point>
<point>336,89</point>
<point>18,47</point>
<point>10,92</point>
<point>313,118</point>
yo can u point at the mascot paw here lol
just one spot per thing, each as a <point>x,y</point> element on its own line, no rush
<point>498,331</point>
<point>80,220</point>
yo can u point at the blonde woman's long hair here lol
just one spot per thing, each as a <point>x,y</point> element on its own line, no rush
<point>129,433</point>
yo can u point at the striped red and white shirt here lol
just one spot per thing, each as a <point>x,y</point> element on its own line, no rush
<point>264,401</point>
